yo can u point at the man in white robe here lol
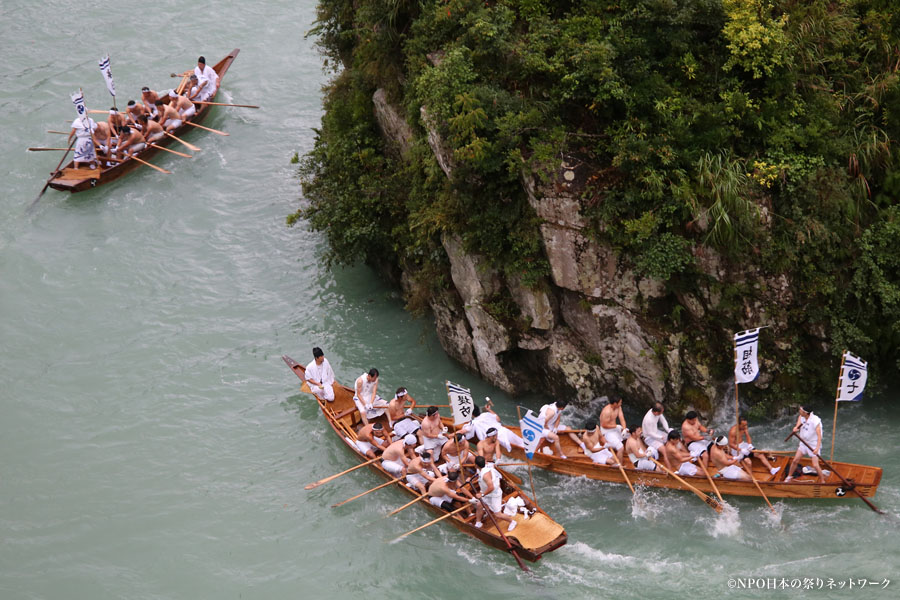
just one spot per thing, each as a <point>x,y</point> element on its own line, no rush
<point>320,377</point>
<point>208,80</point>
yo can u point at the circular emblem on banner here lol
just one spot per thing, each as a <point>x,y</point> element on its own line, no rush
<point>528,435</point>
<point>854,374</point>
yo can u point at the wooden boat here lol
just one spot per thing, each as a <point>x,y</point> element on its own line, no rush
<point>864,478</point>
<point>70,179</point>
<point>530,539</point>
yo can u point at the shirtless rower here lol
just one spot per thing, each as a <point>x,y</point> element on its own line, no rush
<point>638,452</point>
<point>420,472</point>
<point>431,435</point>
<point>612,432</point>
<point>149,98</point>
<point>104,141</point>
<point>692,430</point>
<point>153,131</point>
<point>729,466</point>
<point>809,429</point>
<point>185,107</point>
<point>444,490</point>
<point>369,404</point>
<point>742,445</point>
<point>370,439</point>
<point>482,420</point>
<point>453,459</point>
<point>491,494</point>
<point>319,376</point>
<point>167,116</point>
<point>208,79</point>
<point>131,141</point>
<point>656,428</point>
<point>400,416</point>
<point>115,119</point>
<point>394,459</point>
<point>594,446</point>
<point>550,416</point>
<point>676,454</point>
<point>134,112</point>
<point>489,448</point>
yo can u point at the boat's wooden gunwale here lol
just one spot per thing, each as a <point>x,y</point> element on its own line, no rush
<point>110,174</point>
<point>866,478</point>
<point>484,534</point>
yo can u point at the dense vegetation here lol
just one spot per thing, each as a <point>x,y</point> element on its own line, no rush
<point>765,130</point>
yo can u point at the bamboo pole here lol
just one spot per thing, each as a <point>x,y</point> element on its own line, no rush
<point>225,104</point>
<point>837,394</point>
<point>168,150</point>
<point>527,460</point>
<point>332,477</point>
<point>441,518</point>
<point>144,162</point>
<point>378,487</point>
<point>206,128</point>
<point>709,500</point>
<point>178,139</point>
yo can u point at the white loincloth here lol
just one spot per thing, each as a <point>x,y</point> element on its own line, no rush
<point>394,467</point>
<point>613,437</point>
<point>405,426</point>
<point>687,468</point>
<point>731,472</point>
<point>600,457</point>
<point>698,448</point>
<point>438,500</point>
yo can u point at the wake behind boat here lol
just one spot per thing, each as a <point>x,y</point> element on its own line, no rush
<point>532,536</point>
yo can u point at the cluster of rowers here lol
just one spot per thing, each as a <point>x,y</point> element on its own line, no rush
<point>125,134</point>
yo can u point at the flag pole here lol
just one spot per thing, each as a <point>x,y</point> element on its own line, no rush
<point>527,460</point>
<point>455,437</point>
<point>737,404</point>
<point>837,394</point>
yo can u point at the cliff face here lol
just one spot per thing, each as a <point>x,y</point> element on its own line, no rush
<point>593,199</point>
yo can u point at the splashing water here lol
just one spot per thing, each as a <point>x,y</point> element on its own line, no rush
<point>727,523</point>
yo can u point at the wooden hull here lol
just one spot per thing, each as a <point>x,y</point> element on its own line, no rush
<point>108,174</point>
<point>865,478</point>
<point>531,538</point>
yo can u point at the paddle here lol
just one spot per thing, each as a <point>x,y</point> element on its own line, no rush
<point>42,149</point>
<point>144,162</point>
<point>332,477</point>
<point>172,151</point>
<point>366,492</point>
<point>849,485</point>
<point>712,502</point>
<point>206,128</point>
<point>59,132</point>
<point>408,504</point>
<point>622,470</point>
<point>178,139</point>
<point>503,535</point>
<point>180,74</point>
<point>55,171</point>
<point>441,518</point>
<point>711,482</point>
<point>749,472</point>
<point>224,104</point>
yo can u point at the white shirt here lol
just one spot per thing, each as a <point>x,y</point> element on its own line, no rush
<point>321,373</point>
<point>209,75</point>
<point>367,394</point>
<point>808,430</point>
<point>81,128</point>
<point>483,422</point>
<point>652,430</point>
<point>547,410</point>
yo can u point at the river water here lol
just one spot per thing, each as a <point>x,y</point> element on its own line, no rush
<point>153,444</point>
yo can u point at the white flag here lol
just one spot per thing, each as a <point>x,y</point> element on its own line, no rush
<point>461,402</point>
<point>78,101</point>
<point>107,75</point>
<point>852,380</point>
<point>531,433</point>
<point>746,367</point>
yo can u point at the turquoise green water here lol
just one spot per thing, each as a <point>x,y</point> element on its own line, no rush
<point>153,444</point>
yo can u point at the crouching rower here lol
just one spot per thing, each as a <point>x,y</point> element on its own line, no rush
<point>168,117</point>
<point>185,107</point>
<point>729,466</point>
<point>444,490</point>
<point>742,446</point>
<point>399,416</point>
<point>370,439</point>
<point>420,472</point>
<point>153,131</point>
<point>675,453</point>
<point>594,445</point>
<point>638,452</point>
<point>491,495</point>
<point>131,141</point>
<point>395,458</point>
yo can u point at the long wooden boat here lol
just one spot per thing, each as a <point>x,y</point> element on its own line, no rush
<point>70,179</point>
<point>530,539</point>
<point>864,478</point>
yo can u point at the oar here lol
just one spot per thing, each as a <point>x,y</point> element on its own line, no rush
<point>144,162</point>
<point>180,74</point>
<point>55,171</point>
<point>849,485</point>
<point>441,518</point>
<point>503,535</point>
<point>172,151</point>
<point>59,132</point>
<point>408,504</point>
<point>206,128</point>
<point>224,104</point>
<point>749,471</point>
<point>712,502</point>
<point>622,470</point>
<point>178,139</point>
<point>41,149</point>
<point>711,482</point>
<point>332,477</point>
<point>366,492</point>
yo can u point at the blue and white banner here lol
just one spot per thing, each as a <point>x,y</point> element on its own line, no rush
<point>746,367</point>
<point>460,402</point>
<point>107,75</point>
<point>852,380</point>
<point>78,101</point>
<point>531,433</point>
